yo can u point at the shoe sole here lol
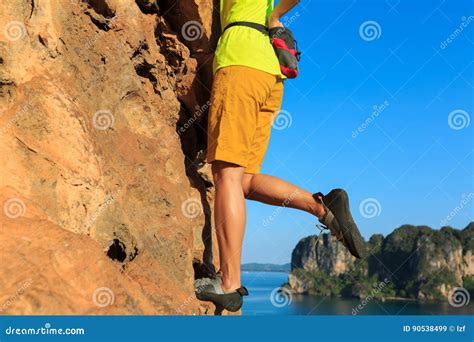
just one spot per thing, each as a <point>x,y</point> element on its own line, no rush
<point>351,234</point>
<point>231,302</point>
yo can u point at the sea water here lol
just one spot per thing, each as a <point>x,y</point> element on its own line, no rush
<point>265,299</point>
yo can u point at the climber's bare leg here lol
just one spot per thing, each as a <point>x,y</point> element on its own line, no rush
<point>275,191</point>
<point>229,216</point>
<point>232,187</point>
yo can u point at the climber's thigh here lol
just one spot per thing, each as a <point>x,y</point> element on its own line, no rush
<point>238,95</point>
<point>266,116</point>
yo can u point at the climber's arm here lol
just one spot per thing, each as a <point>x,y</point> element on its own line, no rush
<point>283,7</point>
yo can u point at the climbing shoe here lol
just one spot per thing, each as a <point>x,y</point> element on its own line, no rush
<point>339,221</point>
<point>210,289</point>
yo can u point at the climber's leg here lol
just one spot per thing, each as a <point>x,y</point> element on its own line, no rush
<point>229,216</point>
<point>276,191</point>
<point>243,103</point>
<point>332,210</point>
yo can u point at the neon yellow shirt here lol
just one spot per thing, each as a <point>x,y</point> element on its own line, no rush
<point>240,45</point>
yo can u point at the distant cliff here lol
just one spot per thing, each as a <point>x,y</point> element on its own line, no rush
<point>256,267</point>
<point>411,262</point>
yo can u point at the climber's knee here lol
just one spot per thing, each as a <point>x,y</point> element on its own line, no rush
<point>226,172</point>
<point>247,184</point>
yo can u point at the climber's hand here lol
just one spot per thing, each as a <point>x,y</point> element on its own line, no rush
<point>274,20</point>
<point>280,9</point>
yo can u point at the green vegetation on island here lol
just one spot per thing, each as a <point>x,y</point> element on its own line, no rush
<point>257,267</point>
<point>412,262</point>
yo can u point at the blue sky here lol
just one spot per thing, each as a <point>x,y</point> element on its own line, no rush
<point>410,162</point>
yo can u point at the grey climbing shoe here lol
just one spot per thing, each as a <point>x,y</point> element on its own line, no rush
<point>339,221</point>
<point>210,289</point>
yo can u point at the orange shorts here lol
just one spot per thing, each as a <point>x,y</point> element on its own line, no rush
<point>244,103</point>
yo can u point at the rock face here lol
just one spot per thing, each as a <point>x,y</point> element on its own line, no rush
<point>102,128</point>
<point>323,254</point>
<point>416,262</point>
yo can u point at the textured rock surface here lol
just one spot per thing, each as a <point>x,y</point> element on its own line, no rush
<point>102,108</point>
<point>325,254</point>
<point>418,262</point>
